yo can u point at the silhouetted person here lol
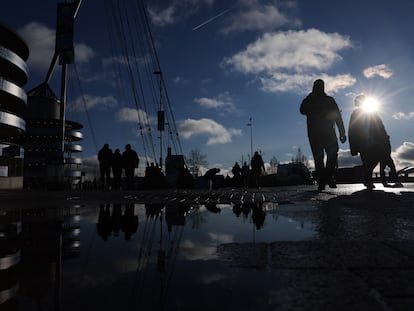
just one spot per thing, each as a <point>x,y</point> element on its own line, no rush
<point>129,221</point>
<point>154,178</point>
<point>211,176</point>
<point>257,168</point>
<point>237,209</point>
<point>116,219</point>
<point>105,158</point>
<point>130,162</point>
<point>103,227</point>
<point>259,215</point>
<point>245,171</point>
<point>323,114</point>
<point>212,207</point>
<point>386,160</point>
<point>117,168</point>
<point>237,175</point>
<point>368,137</point>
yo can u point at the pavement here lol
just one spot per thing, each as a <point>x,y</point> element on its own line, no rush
<point>362,257</point>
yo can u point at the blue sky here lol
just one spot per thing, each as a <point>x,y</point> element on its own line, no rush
<point>226,61</point>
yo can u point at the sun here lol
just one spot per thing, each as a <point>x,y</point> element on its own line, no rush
<point>370,104</point>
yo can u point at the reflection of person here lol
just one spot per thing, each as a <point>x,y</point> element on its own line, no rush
<point>259,215</point>
<point>105,158</point>
<point>368,137</point>
<point>117,168</point>
<point>323,114</point>
<point>103,227</point>
<point>257,168</point>
<point>129,221</point>
<point>245,171</point>
<point>130,162</point>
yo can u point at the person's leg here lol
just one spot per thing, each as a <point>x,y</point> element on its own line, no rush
<point>331,163</point>
<point>102,174</point>
<point>318,155</point>
<point>369,161</point>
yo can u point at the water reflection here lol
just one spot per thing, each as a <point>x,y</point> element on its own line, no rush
<point>112,222</point>
<point>131,256</point>
<point>33,244</point>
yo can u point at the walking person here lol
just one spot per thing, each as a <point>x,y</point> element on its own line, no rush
<point>130,161</point>
<point>258,167</point>
<point>386,160</point>
<point>105,160</point>
<point>368,137</point>
<point>322,114</point>
<point>237,174</point>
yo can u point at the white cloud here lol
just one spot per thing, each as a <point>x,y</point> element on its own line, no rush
<point>164,16</point>
<point>217,133</point>
<point>91,101</point>
<point>256,16</point>
<point>41,42</point>
<point>180,80</point>
<point>345,159</point>
<point>382,71</point>
<point>191,251</point>
<point>403,116</point>
<point>223,101</point>
<point>291,50</point>
<point>282,82</point>
<point>221,238</point>
<point>291,60</point>
<point>134,116</point>
<point>83,53</point>
<point>404,155</point>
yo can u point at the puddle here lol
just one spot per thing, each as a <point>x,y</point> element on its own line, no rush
<point>137,255</point>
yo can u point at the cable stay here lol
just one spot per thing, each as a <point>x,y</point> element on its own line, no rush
<point>139,77</point>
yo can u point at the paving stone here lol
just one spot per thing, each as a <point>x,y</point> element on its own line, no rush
<point>324,290</point>
<point>390,282</point>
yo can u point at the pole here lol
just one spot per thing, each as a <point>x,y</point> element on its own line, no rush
<point>161,118</point>
<point>250,124</point>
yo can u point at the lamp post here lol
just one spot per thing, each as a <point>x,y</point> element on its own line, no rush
<point>250,124</point>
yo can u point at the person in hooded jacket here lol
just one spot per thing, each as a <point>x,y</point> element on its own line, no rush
<point>323,114</point>
<point>368,137</point>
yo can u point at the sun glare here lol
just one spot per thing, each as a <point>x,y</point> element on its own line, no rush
<point>370,104</point>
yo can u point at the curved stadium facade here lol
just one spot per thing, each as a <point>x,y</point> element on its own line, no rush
<point>13,76</point>
<point>32,121</point>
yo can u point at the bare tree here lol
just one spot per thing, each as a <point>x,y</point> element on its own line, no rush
<point>194,160</point>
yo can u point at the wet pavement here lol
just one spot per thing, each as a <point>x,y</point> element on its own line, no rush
<point>285,248</point>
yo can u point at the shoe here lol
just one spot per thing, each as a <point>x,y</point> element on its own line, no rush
<point>369,186</point>
<point>321,186</point>
<point>332,184</point>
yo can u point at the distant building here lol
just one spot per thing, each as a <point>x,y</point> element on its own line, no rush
<point>13,76</point>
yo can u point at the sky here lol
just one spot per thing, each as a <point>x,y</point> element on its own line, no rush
<point>224,62</point>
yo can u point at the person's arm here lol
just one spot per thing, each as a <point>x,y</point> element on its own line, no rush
<point>340,124</point>
<point>305,107</point>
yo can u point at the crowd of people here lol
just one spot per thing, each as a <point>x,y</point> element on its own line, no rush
<point>366,133</point>
<point>126,162</point>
